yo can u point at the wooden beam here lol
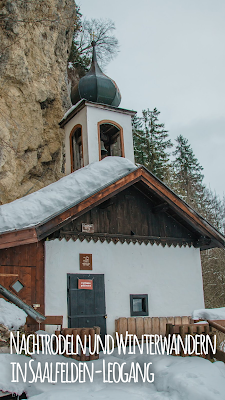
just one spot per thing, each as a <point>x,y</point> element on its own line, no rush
<point>54,320</point>
<point>37,316</point>
<point>119,235</point>
<point>134,238</point>
<point>216,325</point>
<point>160,208</point>
<point>202,241</point>
<point>106,204</point>
<point>17,238</point>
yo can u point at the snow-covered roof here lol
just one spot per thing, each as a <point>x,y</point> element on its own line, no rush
<point>50,201</point>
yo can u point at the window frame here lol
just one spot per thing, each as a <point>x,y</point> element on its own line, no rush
<point>107,121</point>
<point>71,147</point>
<point>12,288</point>
<point>139,313</point>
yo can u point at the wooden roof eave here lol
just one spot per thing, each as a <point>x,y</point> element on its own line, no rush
<point>17,238</point>
<point>182,209</point>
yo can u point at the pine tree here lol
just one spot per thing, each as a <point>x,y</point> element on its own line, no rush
<point>151,143</point>
<point>213,260</point>
<point>187,174</point>
<point>140,142</point>
<point>213,209</point>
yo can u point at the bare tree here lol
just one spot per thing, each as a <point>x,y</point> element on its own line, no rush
<point>101,31</point>
<point>106,43</point>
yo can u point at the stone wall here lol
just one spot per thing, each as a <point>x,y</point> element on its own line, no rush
<point>35,41</point>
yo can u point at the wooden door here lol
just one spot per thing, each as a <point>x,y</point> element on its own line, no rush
<point>86,307</point>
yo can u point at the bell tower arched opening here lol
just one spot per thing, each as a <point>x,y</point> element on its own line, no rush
<point>76,148</point>
<point>110,139</point>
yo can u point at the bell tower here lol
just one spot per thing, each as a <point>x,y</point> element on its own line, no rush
<point>95,127</point>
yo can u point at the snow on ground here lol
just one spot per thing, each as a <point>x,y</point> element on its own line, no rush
<point>72,189</point>
<point>11,315</point>
<point>210,313</point>
<point>6,373</point>
<point>176,378</point>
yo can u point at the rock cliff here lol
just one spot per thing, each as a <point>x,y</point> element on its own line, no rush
<point>35,42</point>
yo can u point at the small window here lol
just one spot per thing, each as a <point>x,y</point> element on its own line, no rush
<point>138,305</point>
<point>76,150</point>
<point>17,286</point>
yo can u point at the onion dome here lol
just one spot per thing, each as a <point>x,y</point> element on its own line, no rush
<point>96,86</point>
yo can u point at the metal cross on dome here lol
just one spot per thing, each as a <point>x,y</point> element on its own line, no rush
<point>93,36</point>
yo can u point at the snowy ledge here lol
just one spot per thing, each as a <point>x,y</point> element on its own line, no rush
<point>209,314</point>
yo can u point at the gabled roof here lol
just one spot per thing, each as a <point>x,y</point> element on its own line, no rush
<point>34,217</point>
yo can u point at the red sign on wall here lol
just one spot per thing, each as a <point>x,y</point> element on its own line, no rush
<point>85,284</point>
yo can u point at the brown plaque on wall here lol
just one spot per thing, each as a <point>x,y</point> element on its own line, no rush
<point>85,261</point>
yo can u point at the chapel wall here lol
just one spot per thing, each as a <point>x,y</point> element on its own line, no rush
<point>171,276</point>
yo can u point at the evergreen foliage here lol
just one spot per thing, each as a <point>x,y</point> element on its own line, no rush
<point>151,143</point>
<point>139,141</point>
<point>187,174</point>
<point>77,60</point>
<point>184,175</point>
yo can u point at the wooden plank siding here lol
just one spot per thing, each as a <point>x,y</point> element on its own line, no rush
<point>147,325</point>
<point>171,325</point>
<point>25,263</point>
<point>178,210</point>
<point>129,212</point>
